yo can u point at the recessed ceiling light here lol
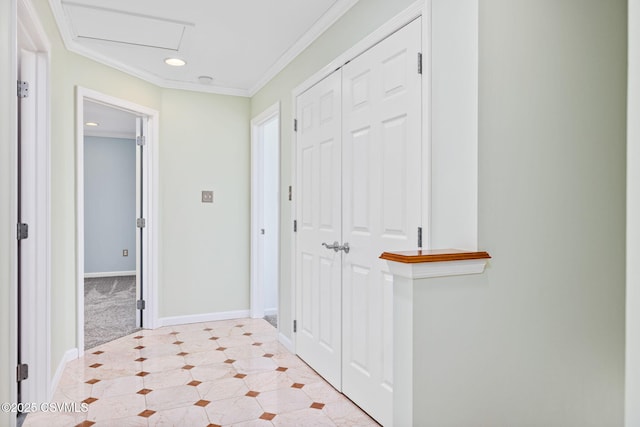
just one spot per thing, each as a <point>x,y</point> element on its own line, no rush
<point>92,124</point>
<point>175,62</point>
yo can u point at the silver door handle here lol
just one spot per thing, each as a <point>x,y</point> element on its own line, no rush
<point>345,248</point>
<point>335,246</point>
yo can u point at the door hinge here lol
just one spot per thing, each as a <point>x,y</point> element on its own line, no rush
<point>141,304</point>
<point>23,89</point>
<point>295,326</point>
<point>295,125</point>
<point>141,223</point>
<point>419,237</point>
<point>141,140</point>
<point>22,231</point>
<point>290,193</point>
<point>295,226</point>
<point>22,372</point>
<point>419,62</point>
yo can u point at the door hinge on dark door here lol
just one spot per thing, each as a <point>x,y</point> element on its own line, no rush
<point>295,226</point>
<point>23,89</point>
<point>295,125</point>
<point>22,372</point>
<point>141,304</point>
<point>22,231</point>
<point>419,63</point>
<point>295,326</point>
<point>419,237</point>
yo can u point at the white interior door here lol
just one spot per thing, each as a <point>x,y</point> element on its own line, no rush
<point>381,184</point>
<point>318,213</point>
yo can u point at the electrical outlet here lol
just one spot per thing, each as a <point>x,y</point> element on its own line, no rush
<point>207,196</point>
<point>125,252</point>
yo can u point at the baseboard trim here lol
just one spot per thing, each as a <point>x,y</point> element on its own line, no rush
<point>286,342</point>
<point>109,274</point>
<point>205,317</point>
<point>270,311</point>
<point>68,356</point>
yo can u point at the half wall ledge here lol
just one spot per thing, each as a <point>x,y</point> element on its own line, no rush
<point>422,264</point>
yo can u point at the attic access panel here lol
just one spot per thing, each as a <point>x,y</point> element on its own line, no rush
<point>116,26</point>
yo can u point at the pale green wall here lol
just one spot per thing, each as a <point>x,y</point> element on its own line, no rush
<point>361,20</point>
<point>205,247</point>
<point>7,218</point>
<point>538,340</point>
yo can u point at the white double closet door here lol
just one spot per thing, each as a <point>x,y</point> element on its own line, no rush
<point>359,164</point>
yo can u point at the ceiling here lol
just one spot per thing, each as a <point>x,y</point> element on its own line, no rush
<point>239,44</point>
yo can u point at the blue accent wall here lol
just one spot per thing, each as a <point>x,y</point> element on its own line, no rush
<point>109,204</point>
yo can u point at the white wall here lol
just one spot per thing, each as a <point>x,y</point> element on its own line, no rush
<point>633,222</point>
<point>7,207</point>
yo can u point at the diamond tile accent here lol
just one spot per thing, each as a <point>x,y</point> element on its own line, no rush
<point>317,405</point>
<point>194,383</point>
<point>144,391</point>
<point>174,333</point>
<point>98,352</point>
<point>187,367</point>
<point>252,393</point>
<point>85,423</point>
<point>267,416</point>
<point>214,425</point>
<point>202,403</point>
<point>92,381</point>
<point>240,376</point>
<point>95,365</point>
<point>207,329</point>
<point>146,413</point>
<point>142,374</point>
<point>268,355</point>
<point>281,369</point>
<point>182,353</point>
<point>221,348</point>
<point>89,400</point>
<point>239,326</point>
<point>229,361</point>
<point>297,385</point>
<point>140,347</point>
<point>141,359</point>
<point>257,344</point>
<point>138,337</point>
<point>178,342</point>
<point>247,334</point>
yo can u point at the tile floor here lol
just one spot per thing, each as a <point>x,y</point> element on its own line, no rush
<point>226,373</point>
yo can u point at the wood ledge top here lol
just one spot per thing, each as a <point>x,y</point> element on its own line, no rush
<point>434,255</point>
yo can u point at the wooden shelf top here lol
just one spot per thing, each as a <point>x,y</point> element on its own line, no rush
<point>434,255</point>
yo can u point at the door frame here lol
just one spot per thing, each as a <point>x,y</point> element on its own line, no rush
<point>257,300</point>
<point>36,287</point>
<point>150,200</point>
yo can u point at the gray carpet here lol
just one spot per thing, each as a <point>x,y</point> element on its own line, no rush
<point>273,319</point>
<point>109,309</point>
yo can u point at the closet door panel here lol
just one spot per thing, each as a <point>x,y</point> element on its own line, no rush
<point>381,174</point>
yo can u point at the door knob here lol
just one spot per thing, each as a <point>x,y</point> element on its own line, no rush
<point>335,246</point>
<point>345,248</point>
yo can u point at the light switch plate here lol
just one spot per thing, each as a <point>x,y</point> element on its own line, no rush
<point>207,196</point>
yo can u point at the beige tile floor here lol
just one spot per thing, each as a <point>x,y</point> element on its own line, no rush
<point>226,373</point>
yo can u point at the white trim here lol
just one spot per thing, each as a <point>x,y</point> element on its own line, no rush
<point>287,343</point>
<point>323,24</point>
<point>257,301</point>
<point>109,274</point>
<point>68,356</point>
<point>36,190</point>
<point>426,270</point>
<point>150,262</point>
<point>110,134</point>
<point>199,318</point>
<point>415,10</point>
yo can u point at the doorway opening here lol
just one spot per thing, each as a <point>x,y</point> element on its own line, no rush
<point>265,214</point>
<point>116,233</point>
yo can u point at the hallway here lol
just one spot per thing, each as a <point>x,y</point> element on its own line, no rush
<point>224,373</point>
